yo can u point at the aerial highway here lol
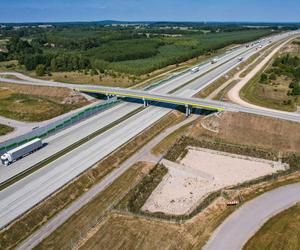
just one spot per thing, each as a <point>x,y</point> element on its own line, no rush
<point>80,131</point>
<point>24,194</point>
<point>66,138</point>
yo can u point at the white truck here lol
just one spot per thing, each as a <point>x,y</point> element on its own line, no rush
<point>240,58</point>
<point>194,70</point>
<point>21,151</point>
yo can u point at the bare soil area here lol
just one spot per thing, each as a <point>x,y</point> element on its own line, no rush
<point>201,172</point>
<point>252,130</point>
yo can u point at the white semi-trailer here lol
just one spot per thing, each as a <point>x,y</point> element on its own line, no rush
<point>21,151</point>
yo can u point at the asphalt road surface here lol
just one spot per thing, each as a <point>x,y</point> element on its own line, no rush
<point>240,226</point>
<point>21,196</point>
<point>142,155</point>
<point>67,137</point>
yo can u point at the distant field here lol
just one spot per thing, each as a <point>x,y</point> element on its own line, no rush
<point>4,129</point>
<point>280,232</point>
<point>180,49</point>
<point>115,56</point>
<point>28,103</point>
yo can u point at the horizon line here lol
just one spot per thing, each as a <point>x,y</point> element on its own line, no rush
<point>148,21</point>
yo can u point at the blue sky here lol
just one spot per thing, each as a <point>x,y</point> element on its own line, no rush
<point>149,10</point>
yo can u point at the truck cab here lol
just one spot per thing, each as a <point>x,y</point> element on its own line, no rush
<point>6,159</point>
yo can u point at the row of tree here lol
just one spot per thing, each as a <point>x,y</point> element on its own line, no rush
<point>30,55</point>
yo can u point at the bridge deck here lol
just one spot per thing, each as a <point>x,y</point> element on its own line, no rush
<point>148,96</point>
<point>189,102</point>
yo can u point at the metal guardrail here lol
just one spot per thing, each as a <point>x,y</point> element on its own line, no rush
<point>54,127</point>
<point>175,75</point>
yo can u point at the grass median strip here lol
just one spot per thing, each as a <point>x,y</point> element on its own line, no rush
<point>65,151</point>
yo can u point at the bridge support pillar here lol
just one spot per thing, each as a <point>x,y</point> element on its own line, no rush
<point>110,96</point>
<point>187,110</point>
<point>146,104</point>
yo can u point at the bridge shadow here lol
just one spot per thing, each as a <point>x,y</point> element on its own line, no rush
<point>180,108</point>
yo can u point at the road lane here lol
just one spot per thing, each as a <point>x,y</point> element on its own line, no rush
<point>19,197</point>
<point>234,232</point>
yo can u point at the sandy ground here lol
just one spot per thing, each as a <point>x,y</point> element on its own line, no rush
<point>201,172</point>
<point>234,93</point>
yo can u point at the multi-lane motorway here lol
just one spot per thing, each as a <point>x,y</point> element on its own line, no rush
<point>24,194</point>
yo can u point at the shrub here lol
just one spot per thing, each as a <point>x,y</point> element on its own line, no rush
<point>40,70</point>
<point>263,78</point>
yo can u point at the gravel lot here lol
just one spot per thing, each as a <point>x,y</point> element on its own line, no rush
<point>201,172</point>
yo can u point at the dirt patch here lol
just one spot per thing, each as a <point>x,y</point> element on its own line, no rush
<point>129,232</point>
<point>201,172</point>
<point>255,130</point>
<point>290,48</point>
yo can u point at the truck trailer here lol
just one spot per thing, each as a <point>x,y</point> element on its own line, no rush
<point>21,151</point>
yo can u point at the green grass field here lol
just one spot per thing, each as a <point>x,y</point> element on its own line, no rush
<point>282,232</point>
<point>178,49</point>
<point>31,108</point>
<point>27,103</point>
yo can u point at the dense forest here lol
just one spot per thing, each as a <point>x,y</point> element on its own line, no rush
<point>130,49</point>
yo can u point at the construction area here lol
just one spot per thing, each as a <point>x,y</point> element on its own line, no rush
<point>201,172</point>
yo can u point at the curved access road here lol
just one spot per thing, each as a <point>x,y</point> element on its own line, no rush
<point>234,93</point>
<point>241,225</point>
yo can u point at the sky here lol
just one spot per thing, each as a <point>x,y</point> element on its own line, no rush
<point>149,10</point>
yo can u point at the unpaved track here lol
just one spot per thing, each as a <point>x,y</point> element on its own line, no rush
<point>234,93</point>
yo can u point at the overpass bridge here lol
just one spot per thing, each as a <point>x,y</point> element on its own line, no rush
<point>188,102</point>
<point>147,97</point>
